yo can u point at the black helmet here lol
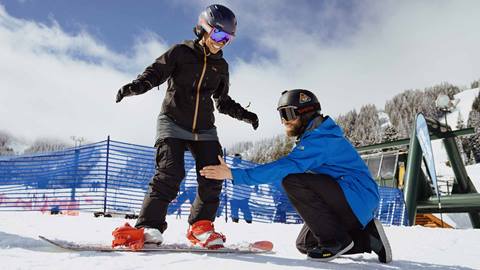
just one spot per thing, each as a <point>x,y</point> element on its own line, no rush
<point>297,102</point>
<point>216,16</point>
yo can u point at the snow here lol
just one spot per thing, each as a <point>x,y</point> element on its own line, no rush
<point>462,109</point>
<point>413,247</point>
<point>384,120</point>
<point>464,102</point>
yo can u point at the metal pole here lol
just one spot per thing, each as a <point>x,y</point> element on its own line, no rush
<point>464,184</point>
<point>106,177</point>
<point>411,185</point>
<point>225,187</point>
<point>75,179</point>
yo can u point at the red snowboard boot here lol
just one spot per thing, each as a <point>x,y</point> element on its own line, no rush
<point>128,236</point>
<point>202,233</point>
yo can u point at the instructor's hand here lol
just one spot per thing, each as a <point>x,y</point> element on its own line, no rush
<point>217,172</point>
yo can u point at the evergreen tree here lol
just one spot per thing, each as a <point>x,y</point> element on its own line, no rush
<point>476,103</point>
<point>474,140</point>
<point>390,134</point>
<point>5,140</point>
<point>475,84</point>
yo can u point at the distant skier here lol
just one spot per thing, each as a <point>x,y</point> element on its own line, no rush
<point>326,181</point>
<point>196,72</point>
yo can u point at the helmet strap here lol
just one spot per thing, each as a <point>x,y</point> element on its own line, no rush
<point>199,32</point>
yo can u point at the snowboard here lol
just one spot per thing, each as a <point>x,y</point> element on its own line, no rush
<point>242,248</point>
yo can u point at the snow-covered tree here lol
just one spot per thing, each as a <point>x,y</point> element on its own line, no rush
<point>5,139</point>
<point>403,107</point>
<point>264,150</point>
<point>367,127</point>
<point>348,123</point>
<point>476,103</point>
<point>475,84</point>
<point>474,122</point>
<point>46,145</point>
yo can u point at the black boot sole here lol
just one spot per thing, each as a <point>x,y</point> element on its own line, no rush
<point>345,249</point>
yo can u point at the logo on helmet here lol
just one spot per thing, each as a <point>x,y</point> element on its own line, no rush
<point>304,98</point>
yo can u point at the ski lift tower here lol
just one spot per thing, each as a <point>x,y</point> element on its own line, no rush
<point>418,192</point>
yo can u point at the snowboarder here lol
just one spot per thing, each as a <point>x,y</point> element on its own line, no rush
<point>196,71</point>
<point>326,181</point>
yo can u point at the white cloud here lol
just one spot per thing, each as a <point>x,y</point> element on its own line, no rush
<point>349,56</point>
<point>383,48</point>
<point>47,88</point>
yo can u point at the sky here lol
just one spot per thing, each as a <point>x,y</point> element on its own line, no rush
<point>62,62</point>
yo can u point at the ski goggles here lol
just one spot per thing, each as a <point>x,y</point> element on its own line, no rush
<point>220,36</point>
<point>288,113</point>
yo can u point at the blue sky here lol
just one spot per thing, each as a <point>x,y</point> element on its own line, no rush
<point>116,23</point>
<point>119,23</point>
<point>66,59</point>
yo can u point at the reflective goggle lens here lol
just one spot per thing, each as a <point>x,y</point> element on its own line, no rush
<point>220,36</point>
<point>288,113</point>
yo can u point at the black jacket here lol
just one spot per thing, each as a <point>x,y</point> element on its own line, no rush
<point>193,79</point>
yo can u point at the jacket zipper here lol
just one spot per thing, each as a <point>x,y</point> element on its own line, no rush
<point>194,125</point>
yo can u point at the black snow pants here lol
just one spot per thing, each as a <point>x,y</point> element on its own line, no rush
<point>327,216</point>
<point>170,171</point>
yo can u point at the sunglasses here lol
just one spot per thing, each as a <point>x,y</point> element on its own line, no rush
<point>220,36</point>
<point>288,113</point>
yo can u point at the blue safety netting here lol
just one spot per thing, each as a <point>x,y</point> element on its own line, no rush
<point>112,177</point>
<point>391,209</point>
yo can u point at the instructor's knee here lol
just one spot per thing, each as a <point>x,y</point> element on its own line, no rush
<point>302,248</point>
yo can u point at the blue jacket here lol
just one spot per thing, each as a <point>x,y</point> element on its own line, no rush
<point>322,149</point>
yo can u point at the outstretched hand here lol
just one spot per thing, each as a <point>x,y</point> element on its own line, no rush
<point>217,172</point>
<point>251,118</point>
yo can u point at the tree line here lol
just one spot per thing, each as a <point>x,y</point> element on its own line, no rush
<point>371,125</point>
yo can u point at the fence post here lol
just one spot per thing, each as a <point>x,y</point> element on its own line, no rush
<point>225,186</point>
<point>76,158</point>
<point>106,177</point>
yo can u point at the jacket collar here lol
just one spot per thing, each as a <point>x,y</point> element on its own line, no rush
<point>194,45</point>
<point>325,127</point>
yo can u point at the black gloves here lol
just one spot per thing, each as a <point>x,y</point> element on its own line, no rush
<point>134,88</point>
<point>251,118</point>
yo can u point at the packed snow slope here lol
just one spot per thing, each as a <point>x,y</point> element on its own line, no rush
<point>413,247</point>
